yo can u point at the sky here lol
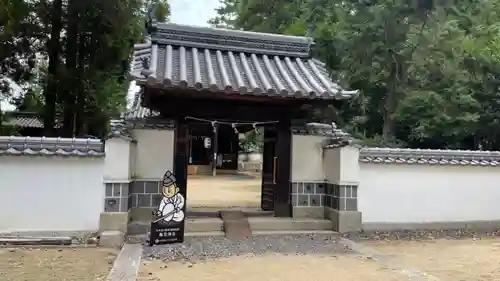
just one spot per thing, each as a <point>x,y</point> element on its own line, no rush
<point>191,12</point>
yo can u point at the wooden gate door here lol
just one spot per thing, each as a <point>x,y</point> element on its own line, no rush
<point>269,169</point>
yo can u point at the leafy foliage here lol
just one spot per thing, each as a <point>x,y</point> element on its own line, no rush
<point>71,58</point>
<point>428,71</point>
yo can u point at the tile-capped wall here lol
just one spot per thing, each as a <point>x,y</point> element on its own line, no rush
<point>116,197</point>
<point>341,197</point>
<point>308,194</point>
<point>144,194</point>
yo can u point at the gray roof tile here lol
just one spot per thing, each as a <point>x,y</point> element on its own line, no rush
<point>336,137</point>
<point>137,111</point>
<point>428,156</point>
<point>233,61</point>
<point>24,122</point>
<point>34,146</point>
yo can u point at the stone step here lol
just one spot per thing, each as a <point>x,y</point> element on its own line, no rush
<point>214,212</point>
<point>257,224</point>
<point>289,224</point>
<point>204,225</point>
<point>192,225</point>
<point>236,225</point>
<point>142,237</point>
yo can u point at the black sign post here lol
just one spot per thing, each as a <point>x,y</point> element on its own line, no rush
<point>167,226</point>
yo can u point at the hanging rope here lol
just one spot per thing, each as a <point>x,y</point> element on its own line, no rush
<point>233,124</point>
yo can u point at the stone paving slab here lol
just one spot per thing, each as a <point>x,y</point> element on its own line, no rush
<point>126,266</point>
<point>236,225</point>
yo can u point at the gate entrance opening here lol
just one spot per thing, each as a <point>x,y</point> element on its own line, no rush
<point>230,76</point>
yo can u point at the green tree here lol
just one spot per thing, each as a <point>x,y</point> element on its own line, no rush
<point>86,46</point>
<point>428,72</point>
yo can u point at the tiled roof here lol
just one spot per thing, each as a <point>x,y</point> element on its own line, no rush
<point>32,146</point>
<point>137,111</point>
<point>232,61</point>
<point>427,156</point>
<point>337,137</point>
<point>24,121</point>
<point>119,129</point>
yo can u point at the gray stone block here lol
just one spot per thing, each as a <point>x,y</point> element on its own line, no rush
<point>111,239</point>
<point>125,189</point>
<point>137,187</point>
<point>133,200</point>
<point>308,212</point>
<point>144,200</point>
<point>320,188</point>
<point>112,204</point>
<point>315,200</point>
<point>156,199</point>
<point>344,221</point>
<point>117,189</point>
<point>303,200</point>
<point>113,221</point>
<point>124,204</point>
<point>355,191</point>
<point>308,188</point>
<point>109,189</point>
<point>152,187</point>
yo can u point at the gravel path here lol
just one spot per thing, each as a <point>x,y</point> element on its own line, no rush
<point>204,248</point>
<point>420,235</point>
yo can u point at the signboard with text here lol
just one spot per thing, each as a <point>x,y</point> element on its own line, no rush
<point>167,226</point>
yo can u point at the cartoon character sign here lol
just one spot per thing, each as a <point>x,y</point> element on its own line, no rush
<point>172,204</point>
<point>167,225</point>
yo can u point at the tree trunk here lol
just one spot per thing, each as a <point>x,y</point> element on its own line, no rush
<point>391,36</point>
<point>390,104</point>
<point>51,88</point>
<point>1,116</point>
<point>71,64</point>
<point>80,99</point>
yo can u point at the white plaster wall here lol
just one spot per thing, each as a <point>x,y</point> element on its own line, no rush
<point>349,167</point>
<point>401,193</point>
<point>331,165</point>
<point>118,158</point>
<point>307,158</point>
<point>341,165</point>
<point>132,158</point>
<point>154,153</point>
<point>50,193</point>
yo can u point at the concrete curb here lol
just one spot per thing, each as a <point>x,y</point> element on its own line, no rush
<point>126,266</point>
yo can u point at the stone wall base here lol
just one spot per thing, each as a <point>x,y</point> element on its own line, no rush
<point>113,221</point>
<point>112,239</point>
<point>141,214</point>
<point>308,212</point>
<point>113,229</point>
<point>344,221</point>
<point>444,225</point>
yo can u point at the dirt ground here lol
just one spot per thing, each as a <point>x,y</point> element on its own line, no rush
<point>448,260</point>
<point>272,268</point>
<point>78,264</point>
<point>224,191</point>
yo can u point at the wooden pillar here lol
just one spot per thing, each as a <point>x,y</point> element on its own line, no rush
<point>282,194</point>
<point>181,155</point>
<point>215,147</point>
